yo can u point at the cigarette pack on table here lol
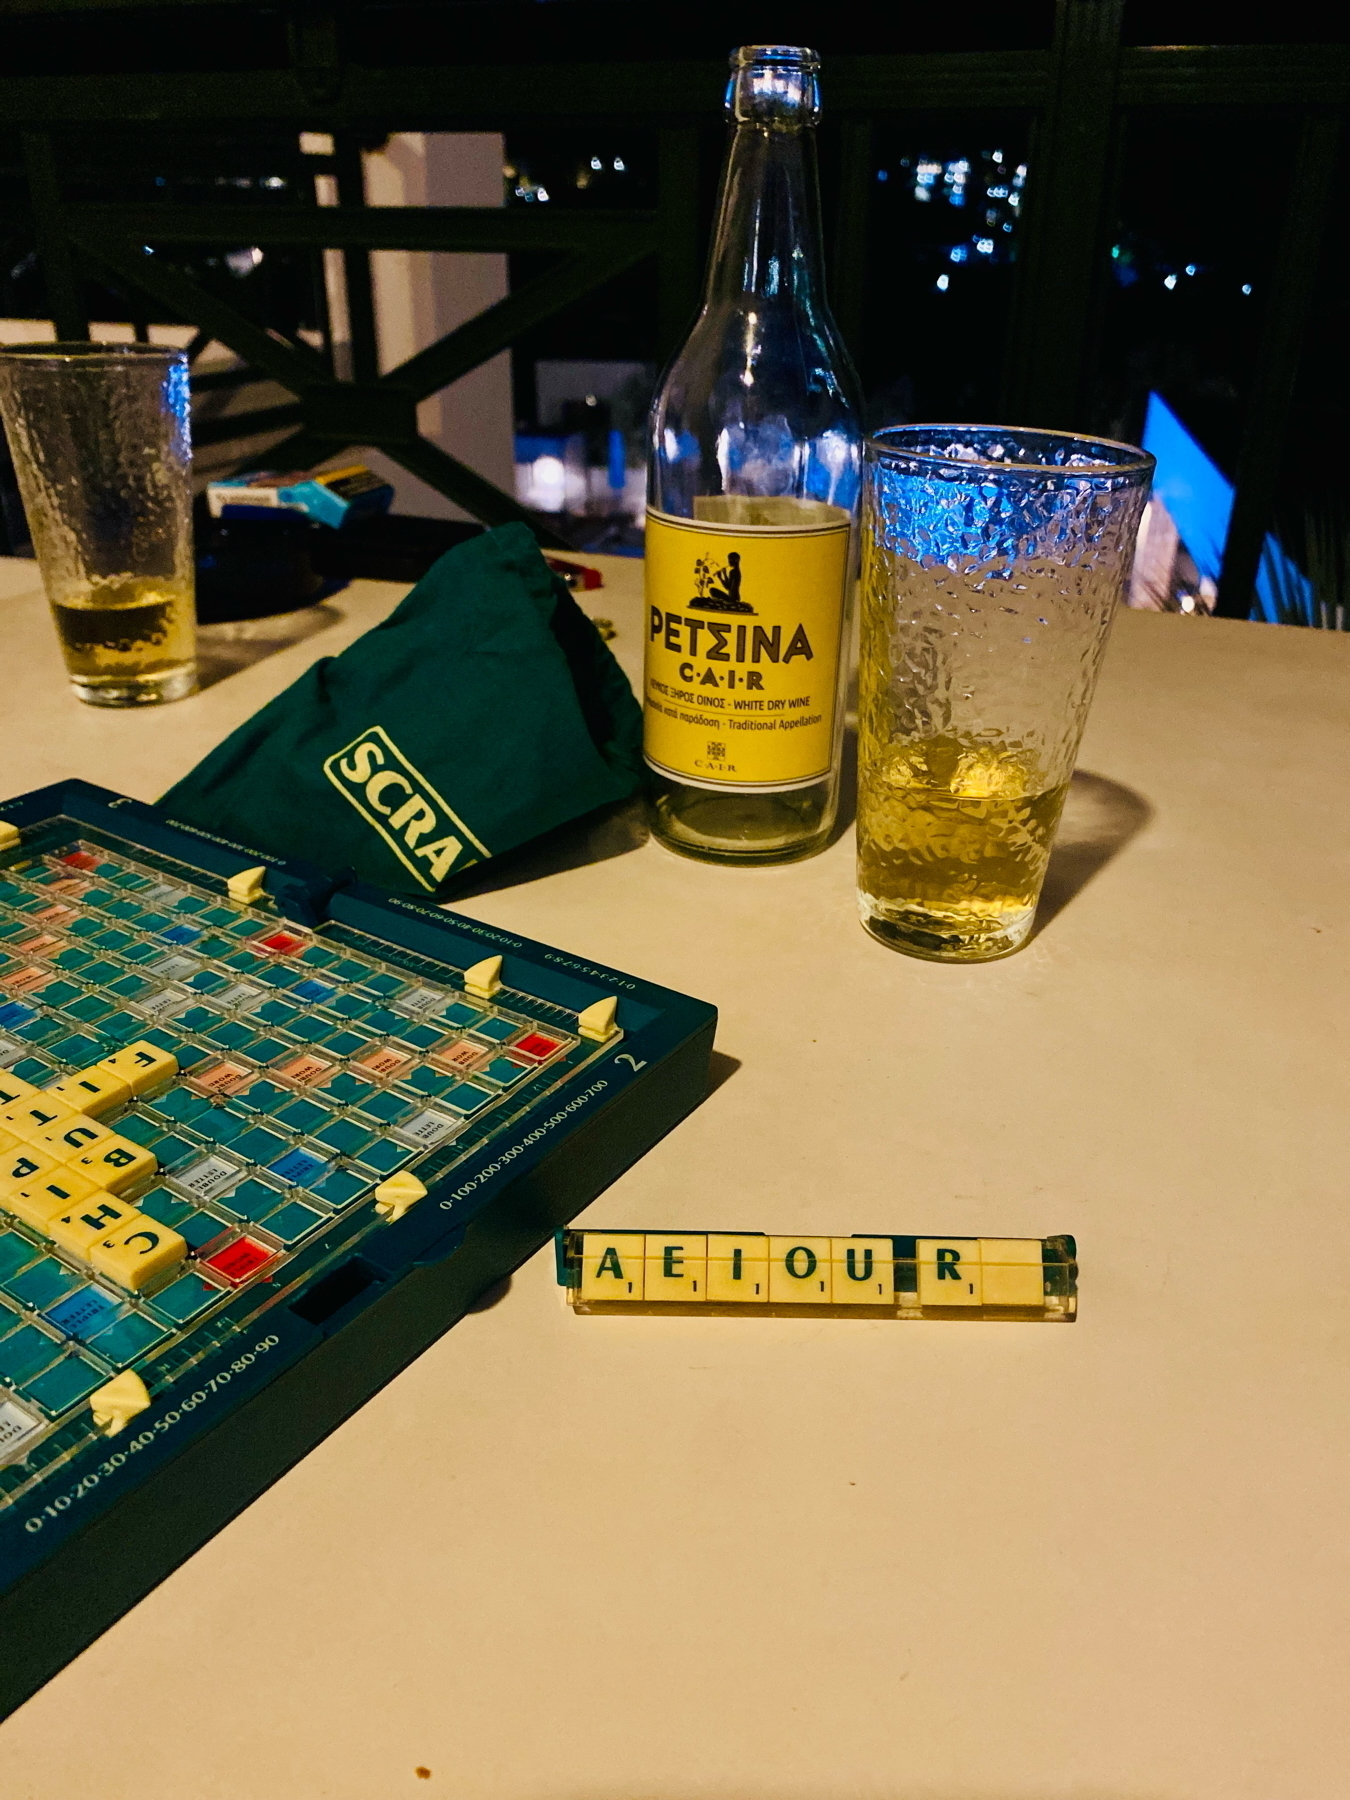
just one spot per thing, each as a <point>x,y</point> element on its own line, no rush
<point>329,495</point>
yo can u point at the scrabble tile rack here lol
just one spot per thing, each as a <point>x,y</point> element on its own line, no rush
<point>333,1046</point>
<point>755,1274</point>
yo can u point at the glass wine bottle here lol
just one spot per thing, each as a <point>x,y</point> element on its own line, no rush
<point>752,493</point>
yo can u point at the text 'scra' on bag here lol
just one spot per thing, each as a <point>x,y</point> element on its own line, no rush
<point>483,712</point>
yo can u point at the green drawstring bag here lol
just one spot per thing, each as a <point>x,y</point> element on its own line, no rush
<point>484,711</point>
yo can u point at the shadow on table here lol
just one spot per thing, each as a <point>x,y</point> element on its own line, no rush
<point>225,649</point>
<point>1100,817</point>
<point>597,836</point>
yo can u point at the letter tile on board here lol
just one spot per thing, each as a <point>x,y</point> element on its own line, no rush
<point>70,1138</point>
<point>12,1088</point>
<point>738,1268</point>
<point>34,1114</point>
<point>949,1272</point>
<point>799,1271</point>
<point>92,1091</point>
<point>48,1196</point>
<point>22,1166</point>
<point>1013,1271</point>
<point>862,1271</point>
<point>611,1265</point>
<point>676,1267</point>
<point>139,1251</point>
<point>97,1216</point>
<point>117,1164</point>
<point>144,1067</point>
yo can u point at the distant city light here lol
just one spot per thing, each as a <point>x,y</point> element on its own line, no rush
<point>998,156</point>
<point>883,174</point>
<point>1169,281</point>
<point>596,163</point>
<point>542,194</point>
<point>1115,252</point>
<point>619,166</point>
<point>958,253</point>
<point>943,282</point>
<point>1246,287</point>
<point>985,246</point>
<point>1191,269</point>
<point>269,181</point>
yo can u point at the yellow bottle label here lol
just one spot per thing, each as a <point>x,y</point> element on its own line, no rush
<point>745,608</point>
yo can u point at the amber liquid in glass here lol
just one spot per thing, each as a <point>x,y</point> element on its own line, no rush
<point>130,640</point>
<point>953,840</point>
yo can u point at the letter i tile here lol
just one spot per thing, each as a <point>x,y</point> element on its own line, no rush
<point>738,1269</point>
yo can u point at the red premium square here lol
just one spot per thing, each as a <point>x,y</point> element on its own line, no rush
<point>79,859</point>
<point>281,943</point>
<point>239,1260</point>
<point>536,1045</point>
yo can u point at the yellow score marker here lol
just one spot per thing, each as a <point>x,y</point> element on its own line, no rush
<point>10,835</point>
<point>484,978</point>
<point>396,1194</point>
<point>597,1021</point>
<point>119,1401</point>
<point>247,886</point>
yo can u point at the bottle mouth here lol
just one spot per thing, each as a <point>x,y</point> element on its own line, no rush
<point>774,85</point>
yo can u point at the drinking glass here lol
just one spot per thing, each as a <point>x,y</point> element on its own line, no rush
<point>100,441</point>
<point>993,560</point>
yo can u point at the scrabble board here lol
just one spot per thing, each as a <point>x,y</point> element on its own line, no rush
<point>257,1154</point>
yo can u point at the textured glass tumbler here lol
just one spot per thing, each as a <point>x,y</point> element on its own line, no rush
<point>100,441</point>
<point>992,563</point>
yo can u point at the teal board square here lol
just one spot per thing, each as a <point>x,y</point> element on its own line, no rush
<point>15,1253</point>
<point>173,1152</point>
<point>129,987</point>
<point>198,1018</point>
<point>219,915</point>
<point>198,1228</point>
<point>262,1097</point>
<point>384,1156</point>
<point>61,993</point>
<point>381,1020</point>
<point>265,1049</point>
<point>126,910</point>
<point>88,1011</point>
<point>257,1145</point>
<point>208,981</point>
<point>189,904</point>
<point>112,939</point>
<point>78,1050</point>
<point>310,1031</point>
<point>84,928</point>
<point>142,953</point>
<point>426,1081</point>
<point>381,986</point>
<point>497,1030</point>
<point>24,1352</point>
<point>180,1105</point>
<point>254,1200</point>
<point>246,960</point>
<point>316,957</point>
<point>246,928</point>
<point>32,1068</point>
<point>42,1285</point>
<point>231,1035</point>
<point>459,1014</point>
<point>345,1136</point>
<point>502,1069</point>
<point>292,1222</point>
<point>102,972</point>
<point>343,1186</point>
<point>188,1054</point>
<point>466,1098</point>
<point>351,970</point>
<point>301,1115</point>
<point>129,1338</point>
<point>275,1012</point>
<point>188,1296</point>
<point>279,976</point>
<point>421,1037</point>
<point>348,1089</point>
<point>211,945</point>
<point>72,959</point>
<point>141,1128</point>
<point>160,1204</point>
<point>348,1006</point>
<point>344,1043</point>
<point>219,1124</point>
<point>122,1027</point>
<point>65,1383</point>
<point>152,921</point>
<point>387,1108</point>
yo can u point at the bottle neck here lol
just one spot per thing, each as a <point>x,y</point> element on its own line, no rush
<point>768,242</point>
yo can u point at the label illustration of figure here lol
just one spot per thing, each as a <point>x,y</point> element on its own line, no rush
<point>719,590</point>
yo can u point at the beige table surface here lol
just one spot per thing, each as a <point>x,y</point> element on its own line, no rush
<point>603,1559</point>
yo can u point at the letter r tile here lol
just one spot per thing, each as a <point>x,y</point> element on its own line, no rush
<point>949,1272</point>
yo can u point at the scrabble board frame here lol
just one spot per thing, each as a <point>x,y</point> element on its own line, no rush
<point>106,1520</point>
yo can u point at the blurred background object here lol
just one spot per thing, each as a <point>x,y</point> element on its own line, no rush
<point>458,243</point>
